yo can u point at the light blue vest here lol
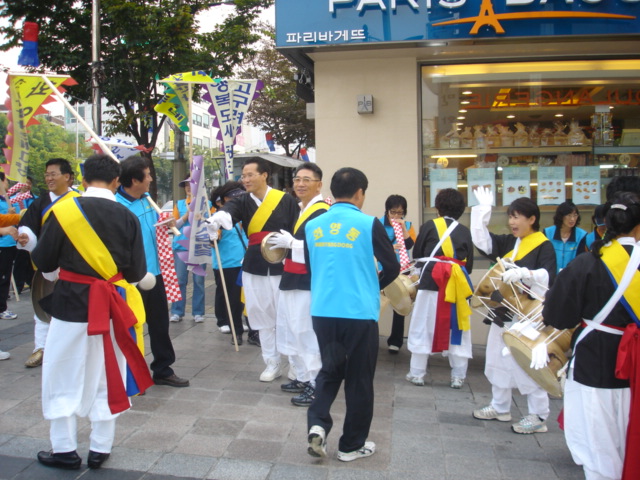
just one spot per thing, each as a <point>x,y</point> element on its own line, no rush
<point>6,240</point>
<point>231,247</point>
<point>344,280</point>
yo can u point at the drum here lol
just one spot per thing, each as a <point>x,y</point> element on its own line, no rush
<point>40,288</point>
<point>402,293</point>
<point>277,255</point>
<point>522,337</point>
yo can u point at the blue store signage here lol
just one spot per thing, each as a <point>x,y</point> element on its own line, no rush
<point>333,22</point>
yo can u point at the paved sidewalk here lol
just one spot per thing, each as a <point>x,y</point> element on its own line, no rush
<point>228,425</point>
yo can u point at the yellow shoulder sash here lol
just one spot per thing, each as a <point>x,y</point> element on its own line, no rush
<point>308,212</point>
<point>264,211</point>
<point>447,245</point>
<point>527,245</point>
<point>616,258</point>
<point>93,251</point>
<point>65,196</point>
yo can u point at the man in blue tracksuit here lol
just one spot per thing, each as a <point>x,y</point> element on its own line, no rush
<point>345,305</point>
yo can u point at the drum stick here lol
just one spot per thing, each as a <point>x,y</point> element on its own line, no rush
<point>226,295</point>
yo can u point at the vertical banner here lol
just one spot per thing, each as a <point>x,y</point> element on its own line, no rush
<point>175,102</point>
<point>551,189</point>
<point>480,177</point>
<point>586,185</point>
<point>199,246</point>
<point>230,101</point>
<point>27,96</point>
<point>515,183</point>
<point>441,178</point>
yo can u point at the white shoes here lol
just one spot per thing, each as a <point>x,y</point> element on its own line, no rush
<point>368,449</point>
<point>457,382</point>
<point>4,355</point>
<point>490,413</point>
<point>317,440</point>
<point>530,424</point>
<point>198,318</point>
<point>417,381</point>
<point>271,372</point>
<point>225,329</point>
<point>175,318</point>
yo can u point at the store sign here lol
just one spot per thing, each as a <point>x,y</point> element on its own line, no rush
<point>334,22</point>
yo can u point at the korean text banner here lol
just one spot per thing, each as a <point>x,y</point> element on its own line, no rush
<point>175,102</point>
<point>334,22</point>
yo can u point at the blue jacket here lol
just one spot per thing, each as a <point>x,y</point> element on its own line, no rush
<point>232,244</point>
<point>566,251</point>
<point>5,240</point>
<point>147,217</point>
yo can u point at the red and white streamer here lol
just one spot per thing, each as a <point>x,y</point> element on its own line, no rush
<point>167,265</point>
<point>402,249</point>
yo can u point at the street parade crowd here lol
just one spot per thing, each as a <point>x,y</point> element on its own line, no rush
<point>284,269</point>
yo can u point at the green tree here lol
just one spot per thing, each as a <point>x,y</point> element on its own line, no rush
<point>278,109</point>
<point>141,41</point>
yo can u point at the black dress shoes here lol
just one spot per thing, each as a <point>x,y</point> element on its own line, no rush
<point>172,381</point>
<point>66,461</point>
<point>96,459</point>
<point>239,339</point>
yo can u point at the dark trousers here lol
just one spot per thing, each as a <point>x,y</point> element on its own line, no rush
<point>349,350</point>
<point>233,292</point>
<point>157,311</point>
<point>22,269</point>
<point>7,255</point>
<point>397,330</point>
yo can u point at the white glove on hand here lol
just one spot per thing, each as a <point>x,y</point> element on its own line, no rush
<point>213,230</point>
<point>517,274</point>
<point>281,240</point>
<point>484,196</point>
<point>539,356</point>
<point>51,276</point>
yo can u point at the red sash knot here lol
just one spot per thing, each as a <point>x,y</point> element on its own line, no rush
<point>106,308</point>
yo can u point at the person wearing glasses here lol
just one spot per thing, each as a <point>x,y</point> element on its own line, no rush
<point>567,238</point>
<point>58,172</point>
<point>294,328</point>
<point>395,209</point>
<point>262,211</point>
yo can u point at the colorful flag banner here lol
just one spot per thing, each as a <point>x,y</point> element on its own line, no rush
<point>230,101</point>
<point>27,96</point>
<point>29,55</point>
<point>120,148</point>
<point>175,102</point>
<point>303,155</point>
<point>270,143</point>
<point>197,243</point>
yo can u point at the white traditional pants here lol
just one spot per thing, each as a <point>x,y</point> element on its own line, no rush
<point>261,300</point>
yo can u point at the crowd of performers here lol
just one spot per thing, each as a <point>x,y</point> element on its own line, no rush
<point>309,309</point>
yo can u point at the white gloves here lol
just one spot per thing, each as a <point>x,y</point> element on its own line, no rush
<point>217,221</point>
<point>51,276</point>
<point>484,196</point>
<point>213,232</point>
<point>281,240</point>
<point>516,274</point>
<point>539,356</point>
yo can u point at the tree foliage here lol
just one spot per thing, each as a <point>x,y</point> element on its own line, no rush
<point>278,109</point>
<point>142,41</point>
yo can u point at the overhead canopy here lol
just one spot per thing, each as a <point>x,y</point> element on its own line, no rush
<point>281,160</point>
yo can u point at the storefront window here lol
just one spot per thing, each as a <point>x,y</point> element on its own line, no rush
<point>552,131</point>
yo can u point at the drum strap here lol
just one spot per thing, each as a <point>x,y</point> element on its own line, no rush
<point>432,257</point>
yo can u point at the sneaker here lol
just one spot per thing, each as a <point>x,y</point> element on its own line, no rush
<point>245,327</point>
<point>530,424</point>
<point>253,339</point>
<point>457,382</point>
<point>271,372</point>
<point>489,413</point>
<point>306,397</point>
<point>4,355</point>
<point>293,387</point>
<point>291,374</point>
<point>198,318</point>
<point>175,318</point>
<point>368,449</point>
<point>8,315</point>
<point>394,349</point>
<point>225,329</point>
<point>238,338</point>
<point>417,381</point>
<point>317,440</point>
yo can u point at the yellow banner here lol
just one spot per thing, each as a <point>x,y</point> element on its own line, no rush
<point>175,103</point>
<point>28,94</point>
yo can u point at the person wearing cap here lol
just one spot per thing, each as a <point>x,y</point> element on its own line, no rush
<point>181,214</point>
<point>232,245</point>
<point>599,227</point>
<point>262,211</point>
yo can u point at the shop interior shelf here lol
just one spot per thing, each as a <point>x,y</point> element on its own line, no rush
<point>551,150</point>
<point>616,150</point>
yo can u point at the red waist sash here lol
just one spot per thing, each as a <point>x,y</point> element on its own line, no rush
<point>442,332</point>
<point>628,368</point>
<point>106,306</point>
<point>256,238</point>
<point>294,267</point>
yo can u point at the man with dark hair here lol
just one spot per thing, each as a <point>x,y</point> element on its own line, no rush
<point>57,174</point>
<point>96,246</point>
<point>133,193</point>
<point>445,251</point>
<point>262,211</point>
<point>622,184</point>
<point>345,304</point>
<point>294,330</point>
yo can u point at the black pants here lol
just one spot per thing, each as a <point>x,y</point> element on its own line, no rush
<point>22,269</point>
<point>7,255</point>
<point>397,330</point>
<point>233,292</point>
<point>349,350</point>
<point>157,311</point>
